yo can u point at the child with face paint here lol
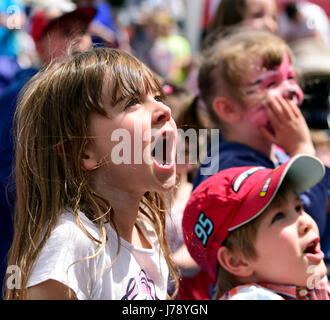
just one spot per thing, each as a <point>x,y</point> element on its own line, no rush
<point>249,86</point>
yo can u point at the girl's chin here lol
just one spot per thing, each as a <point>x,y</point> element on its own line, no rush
<point>165,180</point>
<point>165,174</point>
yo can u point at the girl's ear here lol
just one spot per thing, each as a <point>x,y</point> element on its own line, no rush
<point>89,161</point>
<point>226,110</point>
<point>234,263</point>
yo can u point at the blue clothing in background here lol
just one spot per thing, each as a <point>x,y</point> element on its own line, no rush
<point>7,183</point>
<point>9,45</point>
<point>104,16</point>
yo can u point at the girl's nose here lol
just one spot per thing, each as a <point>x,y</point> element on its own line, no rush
<point>161,114</point>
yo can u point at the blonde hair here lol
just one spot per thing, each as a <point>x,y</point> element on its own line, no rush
<point>242,240</point>
<point>53,111</point>
<point>231,59</point>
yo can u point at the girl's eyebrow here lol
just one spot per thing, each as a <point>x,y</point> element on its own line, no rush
<point>120,99</point>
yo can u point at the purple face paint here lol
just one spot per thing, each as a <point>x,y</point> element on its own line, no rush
<point>279,81</point>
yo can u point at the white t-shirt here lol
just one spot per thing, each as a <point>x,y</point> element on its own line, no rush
<point>137,273</point>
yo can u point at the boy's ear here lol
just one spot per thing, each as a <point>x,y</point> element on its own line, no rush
<point>234,263</point>
<point>226,110</point>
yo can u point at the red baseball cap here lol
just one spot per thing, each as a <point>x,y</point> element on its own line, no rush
<point>44,18</point>
<point>235,196</point>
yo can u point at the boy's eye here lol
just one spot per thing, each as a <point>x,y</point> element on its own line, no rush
<point>278,216</point>
<point>299,208</point>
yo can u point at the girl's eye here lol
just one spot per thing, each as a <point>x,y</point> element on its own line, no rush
<point>159,98</point>
<point>299,208</point>
<point>278,216</point>
<point>132,102</point>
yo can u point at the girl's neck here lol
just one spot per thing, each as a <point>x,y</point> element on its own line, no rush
<point>125,206</point>
<point>126,211</point>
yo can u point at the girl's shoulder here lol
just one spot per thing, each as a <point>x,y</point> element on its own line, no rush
<point>70,226</point>
<point>65,255</point>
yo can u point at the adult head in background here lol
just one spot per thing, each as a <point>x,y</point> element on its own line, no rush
<point>54,27</point>
<point>58,26</point>
<point>261,14</point>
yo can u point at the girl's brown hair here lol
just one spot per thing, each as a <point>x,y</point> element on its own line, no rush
<point>52,132</point>
<point>242,240</point>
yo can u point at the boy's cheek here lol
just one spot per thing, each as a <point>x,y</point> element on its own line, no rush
<point>257,116</point>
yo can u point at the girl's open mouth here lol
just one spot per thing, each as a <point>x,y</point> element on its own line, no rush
<point>163,151</point>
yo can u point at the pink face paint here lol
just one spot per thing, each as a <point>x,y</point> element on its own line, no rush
<point>278,81</point>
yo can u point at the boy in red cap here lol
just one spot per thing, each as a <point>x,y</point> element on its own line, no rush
<point>246,227</point>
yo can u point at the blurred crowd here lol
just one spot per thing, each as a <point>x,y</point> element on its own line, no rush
<point>35,32</point>
<point>155,30</point>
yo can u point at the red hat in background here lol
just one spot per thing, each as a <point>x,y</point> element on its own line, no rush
<point>234,197</point>
<point>47,16</point>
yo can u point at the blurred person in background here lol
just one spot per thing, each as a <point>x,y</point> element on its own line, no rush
<point>301,20</point>
<point>12,19</point>
<point>259,14</point>
<point>170,53</point>
<point>103,27</point>
<point>56,27</point>
<point>138,17</point>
